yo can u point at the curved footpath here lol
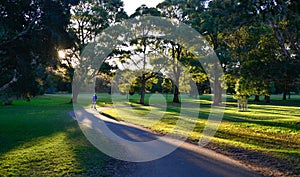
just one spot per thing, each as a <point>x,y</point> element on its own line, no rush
<point>188,160</point>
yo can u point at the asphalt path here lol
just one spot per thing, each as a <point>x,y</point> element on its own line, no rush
<point>188,160</point>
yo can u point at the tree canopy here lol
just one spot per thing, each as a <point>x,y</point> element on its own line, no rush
<point>257,43</point>
<point>30,34</point>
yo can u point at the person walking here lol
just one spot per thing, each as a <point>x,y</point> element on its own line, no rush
<point>94,101</point>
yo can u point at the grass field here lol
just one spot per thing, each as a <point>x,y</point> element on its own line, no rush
<point>268,134</point>
<point>39,138</point>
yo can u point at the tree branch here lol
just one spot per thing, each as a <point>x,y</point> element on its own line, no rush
<point>5,86</point>
<point>22,33</point>
<point>280,39</point>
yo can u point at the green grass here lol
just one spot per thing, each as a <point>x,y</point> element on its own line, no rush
<point>39,138</point>
<point>270,130</point>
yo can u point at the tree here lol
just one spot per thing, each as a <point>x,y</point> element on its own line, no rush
<point>283,17</point>
<point>248,51</point>
<point>140,51</point>
<point>167,86</point>
<point>243,92</point>
<point>125,81</point>
<point>88,19</point>
<point>156,83</point>
<point>174,10</point>
<point>265,57</point>
<point>30,34</point>
<point>199,77</point>
<point>213,23</point>
<point>139,57</point>
<point>143,10</point>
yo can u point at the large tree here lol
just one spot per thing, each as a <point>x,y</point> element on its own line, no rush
<point>88,19</point>
<point>283,18</point>
<point>212,23</point>
<point>175,11</point>
<point>30,34</point>
<point>140,51</point>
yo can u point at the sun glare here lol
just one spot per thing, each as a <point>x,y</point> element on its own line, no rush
<point>61,54</point>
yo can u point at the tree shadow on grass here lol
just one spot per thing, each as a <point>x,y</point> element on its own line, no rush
<point>270,142</point>
<point>233,118</point>
<point>28,136</point>
<point>237,117</point>
<point>21,124</point>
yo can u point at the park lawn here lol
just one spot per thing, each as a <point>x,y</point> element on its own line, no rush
<point>269,131</point>
<point>39,138</point>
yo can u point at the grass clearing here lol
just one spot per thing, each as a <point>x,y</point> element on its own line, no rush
<point>39,138</point>
<point>270,131</point>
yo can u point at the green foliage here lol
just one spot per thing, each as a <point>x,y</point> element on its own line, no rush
<point>30,33</point>
<point>167,85</point>
<point>243,89</point>
<point>143,10</point>
<point>103,83</point>
<point>277,49</point>
<point>253,39</point>
<point>126,82</point>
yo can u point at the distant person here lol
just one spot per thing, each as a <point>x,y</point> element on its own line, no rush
<point>94,101</point>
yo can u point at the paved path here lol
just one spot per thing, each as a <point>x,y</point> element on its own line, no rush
<point>189,160</point>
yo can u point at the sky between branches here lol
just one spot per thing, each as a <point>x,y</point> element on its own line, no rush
<point>131,5</point>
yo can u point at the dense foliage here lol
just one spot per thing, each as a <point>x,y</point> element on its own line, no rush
<point>30,34</point>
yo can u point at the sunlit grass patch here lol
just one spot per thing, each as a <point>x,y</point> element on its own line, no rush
<point>48,156</point>
<point>270,129</point>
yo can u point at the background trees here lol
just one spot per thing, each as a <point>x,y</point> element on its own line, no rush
<point>251,41</point>
<point>256,42</point>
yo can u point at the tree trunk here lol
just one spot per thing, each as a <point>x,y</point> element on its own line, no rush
<point>8,102</point>
<point>7,85</point>
<point>176,94</point>
<point>267,99</point>
<point>217,98</point>
<point>176,88</point>
<point>75,92</point>
<point>142,99</point>
<point>176,54</point>
<point>284,91</point>
<point>284,95</point>
<point>256,99</point>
